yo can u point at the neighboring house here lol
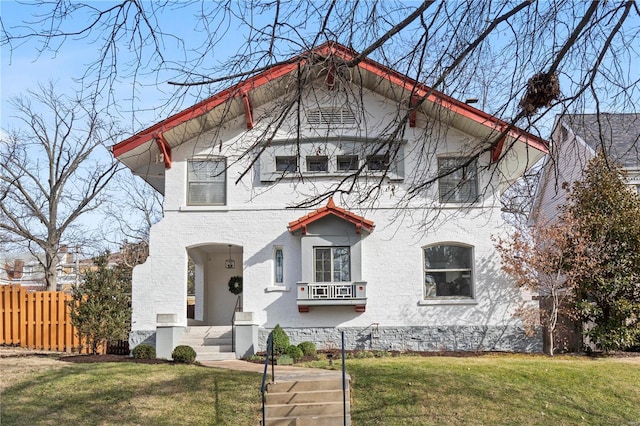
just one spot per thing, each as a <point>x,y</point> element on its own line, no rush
<point>26,270</point>
<point>575,140</point>
<point>424,276</point>
<point>22,269</point>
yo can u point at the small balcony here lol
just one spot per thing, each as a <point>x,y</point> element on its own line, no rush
<point>332,294</point>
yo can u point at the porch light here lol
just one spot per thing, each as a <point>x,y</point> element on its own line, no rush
<point>230,263</point>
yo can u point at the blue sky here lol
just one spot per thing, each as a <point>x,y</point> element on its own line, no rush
<point>25,67</point>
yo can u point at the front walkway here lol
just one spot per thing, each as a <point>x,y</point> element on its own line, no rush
<point>282,372</point>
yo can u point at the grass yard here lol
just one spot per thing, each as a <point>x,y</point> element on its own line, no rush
<point>125,393</point>
<point>495,390</point>
<point>484,390</point>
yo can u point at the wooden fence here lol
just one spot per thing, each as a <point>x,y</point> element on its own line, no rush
<point>38,320</point>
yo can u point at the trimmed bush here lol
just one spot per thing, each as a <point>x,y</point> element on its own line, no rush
<point>144,351</point>
<point>280,340</point>
<point>183,354</point>
<point>308,348</point>
<point>294,352</point>
<point>285,360</point>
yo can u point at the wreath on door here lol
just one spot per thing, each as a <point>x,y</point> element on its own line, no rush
<point>235,285</point>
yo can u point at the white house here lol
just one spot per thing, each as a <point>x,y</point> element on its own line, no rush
<point>412,267</point>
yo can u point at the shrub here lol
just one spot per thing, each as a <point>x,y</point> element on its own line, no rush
<point>255,357</point>
<point>285,360</point>
<point>294,352</point>
<point>308,348</point>
<point>183,354</point>
<point>280,340</point>
<point>144,351</point>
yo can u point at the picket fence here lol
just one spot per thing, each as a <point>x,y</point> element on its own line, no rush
<point>38,320</point>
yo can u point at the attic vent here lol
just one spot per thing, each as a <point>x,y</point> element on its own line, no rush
<point>335,116</point>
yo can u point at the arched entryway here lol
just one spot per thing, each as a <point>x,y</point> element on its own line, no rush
<point>214,265</point>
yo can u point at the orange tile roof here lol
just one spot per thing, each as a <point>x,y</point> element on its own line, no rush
<point>330,209</point>
<point>328,48</point>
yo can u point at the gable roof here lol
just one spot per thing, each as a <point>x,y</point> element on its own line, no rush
<point>617,134</point>
<point>142,151</point>
<point>330,209</point>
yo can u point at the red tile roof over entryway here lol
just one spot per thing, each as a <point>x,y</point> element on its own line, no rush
<point>330,209</point>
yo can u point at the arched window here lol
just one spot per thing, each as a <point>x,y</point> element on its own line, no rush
<point>448,271</point>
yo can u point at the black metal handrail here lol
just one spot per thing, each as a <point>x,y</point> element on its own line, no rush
<point>344,385</point>
<point>263,387</point>
<point>233,324</point>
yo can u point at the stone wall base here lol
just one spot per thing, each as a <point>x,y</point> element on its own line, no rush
<point>148,337</point>
<point>415,338</point>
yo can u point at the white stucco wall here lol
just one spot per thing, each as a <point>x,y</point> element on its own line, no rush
<point>256,217</point>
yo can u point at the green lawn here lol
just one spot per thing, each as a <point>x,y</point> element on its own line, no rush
<point>495,389</point>
<point>492,390</point>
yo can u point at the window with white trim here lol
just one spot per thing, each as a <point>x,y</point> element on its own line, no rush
<point>278,265</point>
<point>377,162</point>
<point>287,164</point>
<point>320,158</point>
<point>207,182</point>
<point>459,181</point>
<point>332,264</point>
<point>317,164</point>
<point>448,271</point>
<point>346,163</point>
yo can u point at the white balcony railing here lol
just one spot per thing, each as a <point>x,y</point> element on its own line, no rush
<point>332,294</point>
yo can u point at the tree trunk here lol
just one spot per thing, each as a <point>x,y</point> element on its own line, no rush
<point>51,271</point>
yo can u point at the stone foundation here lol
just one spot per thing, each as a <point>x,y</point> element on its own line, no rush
<point>147,337</point>
<point>427,339</point>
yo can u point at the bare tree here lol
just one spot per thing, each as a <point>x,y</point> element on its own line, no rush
<point>537,59</point>
<point>131,217</point>
<point>128,219</point>
<point>51,173</point>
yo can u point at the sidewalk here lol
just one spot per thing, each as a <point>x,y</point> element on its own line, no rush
<point>282,372</point>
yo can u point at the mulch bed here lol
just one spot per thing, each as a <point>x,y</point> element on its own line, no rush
<point>89,359</point>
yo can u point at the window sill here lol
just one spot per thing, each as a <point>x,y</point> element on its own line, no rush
<point>443,301</point>
<point>203,208</point>
<point>277,176</point>
<point>277,289</point>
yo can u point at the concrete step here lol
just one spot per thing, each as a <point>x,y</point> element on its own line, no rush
<point>215,356</point>
<point>306,402</point>
<point>305,385</point>
<point>211,343</point>
<point>305,397</point>
<point>308,421</point>
<point>209,330</point>
<point>212,349</point>
<point>305,410</point>
<point>205,341</point>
